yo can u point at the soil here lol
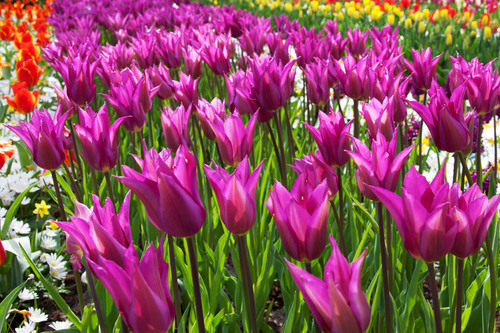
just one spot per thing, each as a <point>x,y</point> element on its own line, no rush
<point>277,314</point>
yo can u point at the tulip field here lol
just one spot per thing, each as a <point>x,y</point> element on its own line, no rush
<point>249,166</point>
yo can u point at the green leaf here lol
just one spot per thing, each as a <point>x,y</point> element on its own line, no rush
<point>7,302</point>
<point>63,306</point>
<point>13,209</point>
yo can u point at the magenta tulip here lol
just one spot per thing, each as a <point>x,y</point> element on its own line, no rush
<point>175,124</point>
<point>423,68</point>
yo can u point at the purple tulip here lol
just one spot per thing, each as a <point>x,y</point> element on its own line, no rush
<point>483,92</point>
<point>239,95</point>
<point>45,138</point>
<point>445,119</point>
<point>234,141</point>
<point>318,87</point>
<point>120,54</point>
<point>472,211</point>
<point>235,194</point>
<point>356,78</point>
<point>175,124</point>
<point>160,77</point>
<point>337,302</point>
<point>301,217</point>
<point>421,215</point>
<point>208,112</point>
<point>63,102</point>
<point>217,57</point>
<point>98,231</point>
<point>423,68</point>
<point>169,48</point>
<point>332,138</point>
<point>186,90</point>
<point>277,48</point>
<point>139,289</point>
<point>381,166</point>
<point>356,42</point>
<point>379,118</point>
<point>192,62</point>
<point>167,187</point>
<point>98,139</point>
<point>78,75</point>
<point>144,49</point>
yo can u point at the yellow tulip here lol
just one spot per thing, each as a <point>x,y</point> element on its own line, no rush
<point>340,16</point>
<point>448,30</point>
<point>449,39</point>
<point>421,27</point>
<point>408,23</point>
<point>288,7</point>
<point>473,25</point>
<point>426,13</point>
<point>487,32</point>
<point>390,19</point>
<point>314,6</point>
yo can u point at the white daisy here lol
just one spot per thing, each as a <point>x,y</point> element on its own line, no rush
<point>48,242</point>
<point>26,295</point>
<point>43,257</point>
<point>58,272</point>
<point>37,316</point>
<point>49,232</point>
<point>60,325</point>
<point>17,228</point>
<point>54,261</point>
<point>28,327</point>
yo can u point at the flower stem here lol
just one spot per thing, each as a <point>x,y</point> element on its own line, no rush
<point>75,147</point>
<point>355,109</point>
<point>276,151</point>
<point>79,290</point>
<point>340,220</point>
<point>196,285</point>
<point>110,188</point>
<point>73,183</point>
<point>459,291</point>
<point>247,282</point>
<point>385,279</point>
<point>465,168</point>
<point>93,292</point>
<point>94,181</point>
<point>58,195</point>
<point>277,119</point>
<point>317,329</point>
<point>435,297</point>
<point>291,145</point>
<point>493,283</point>
<point>479,171</point>
<point>175,286</point>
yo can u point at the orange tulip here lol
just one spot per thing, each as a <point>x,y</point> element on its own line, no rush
<point>6,152</point>
<point>29,51</point>
<point>28,71</point>
<point>7,30</point>
<point>24,101</point>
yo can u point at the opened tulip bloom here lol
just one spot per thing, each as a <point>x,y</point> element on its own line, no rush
<point>301,217</point>
<point>78,75</point>
<point>167,187</point>
<point>98,138</point>
<point>332,138</point>
<point>208,112</point>
<point>139,288</point>
<point>24,100</point>
<point>45,138</point>
<point>175,124</point>
<point>423,68</point>
<point>379,118</point>
<point>445,118</point>
<point>381,166</point>
<point>6,152</point>
<point>235,194</point>
<point>337,302</point>
<point>421,215</point>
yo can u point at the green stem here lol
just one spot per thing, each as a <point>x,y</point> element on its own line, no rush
<point>110,188</point>
<point>465,168</point>
<point>58,195</point>
<point>94,181</point>
<point>493,282</point>
<point>175,286</point>
<point>196,284</point>
<point>276,151</point>
<point>291,145</point>
<point>247,282</point>
<point>460,283</point>
<point>435,297</point>
<point>479,171</point>
<point>340,221</point>
<point>75,147</point>
<point>317,329</point>
<point>420,147</point>
<point>93,292</point>
<point>79,291</point>
<point>383,254</point>
<point>277,119</point>
<point>389,253</point>
<point>355,109</point>
<point>73,183</point>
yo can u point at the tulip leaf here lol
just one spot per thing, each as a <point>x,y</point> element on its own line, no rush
<point>411,292</point>
<point>13,210</point>
<point>7,302</point>
<point>61,303</point>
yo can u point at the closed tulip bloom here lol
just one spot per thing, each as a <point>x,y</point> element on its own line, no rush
<point>45,138</point>
<point>160,76</point>
<point>144,49</point>
<point>192,62</point>
<point>318,88</point>
<point>217,58</point>
<point>379,118</point>
<point>98,138</point>
<point>98,231</point>
<point>445,118</point>
<point>337,302</point>
<point>169,48</point>
<point>175,124</point>
<point>78,75</point>
<point>423,68</point>
<point>421,215</point>
<point>301,217</point>
<point>186,90</point>
<point>239,95</point>
<point>381,166</point>
<point>208,113</point>
<point>139,289</point>
<point>316,171</point>
<point>356,79</point>
<point>28,71</point>
<point>483,92</point>
<point>235,194</point>
<point>233,139</point>
<point>167,187</point>
<point>356,42</point>
<point>24,100</point>
<point>64,103</point>
<point>332,138</point>
<point>473,212</point>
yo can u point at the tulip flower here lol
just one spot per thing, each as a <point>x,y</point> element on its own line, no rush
<point>28,71</point>
<point>379,118</point>
<point>160,76</point>
<point>186,90</point>
<point>356,42</point>
<point>169,49</point>
<point>139,289</point>
<point>63,102</point>
<point>356,78</point>
<point>472,211</point>
<point>3,256</point>
<point>208,112</point>
<point>78,75</point>
<point>239,95</point>
<point>45,138</point>
<point>24,101</point>
<point>421,215</point>
<point>98,231</point>
<point>483,92</point>
<point>301,217</point>
<point>192,62</point>
<point>144,49</point>
<point>233,139</point>
<point>318,88</point>
<point>332,138</point>
<point>316,171</point>
<point>381,166</point>
<point>423,68</point>
<point>272,82</point>
<point>132,97</point>
<point>337,302</point>
<point>217,57</point>
<point>175,124</point>
<point>6,152</point>
<point>167,187</point>
<point>98,138</point>
<point>235,194</point>
<point>445,119</point>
